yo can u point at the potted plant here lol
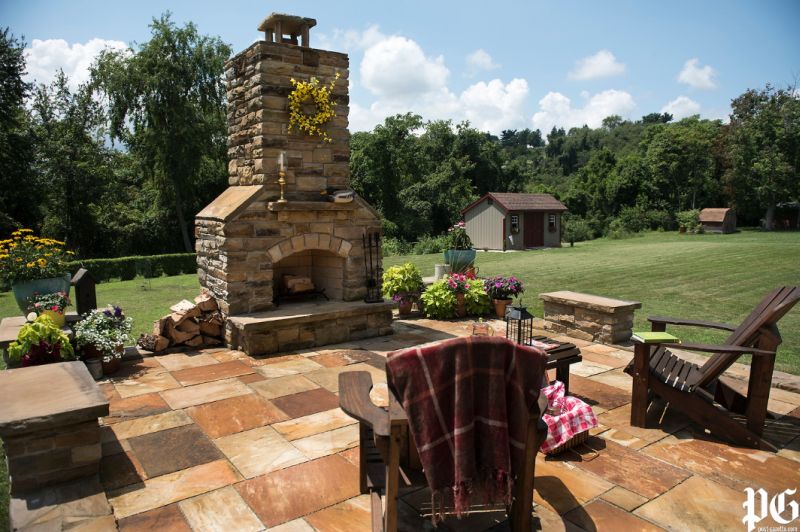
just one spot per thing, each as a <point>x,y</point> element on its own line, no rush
<point>501,289</point>
<point>102,334</point>
<point>52,305</point>
<point>459,284</point>
<point>403,283</point>
<point>459,255</point>
<point>32,264</point>
<point>40,342</point>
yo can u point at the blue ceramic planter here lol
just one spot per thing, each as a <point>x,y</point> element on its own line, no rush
<point>459,259</point>
<point>24,290</point>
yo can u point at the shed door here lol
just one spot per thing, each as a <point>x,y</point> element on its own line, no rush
<point>534,230</point>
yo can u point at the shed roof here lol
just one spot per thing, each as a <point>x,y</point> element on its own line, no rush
<point>713,215</point>
<point>511,201</point>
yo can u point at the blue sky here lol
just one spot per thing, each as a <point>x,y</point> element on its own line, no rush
<point>500,64</point>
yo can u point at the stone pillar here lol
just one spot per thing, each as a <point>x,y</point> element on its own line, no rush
<point>49,424</point>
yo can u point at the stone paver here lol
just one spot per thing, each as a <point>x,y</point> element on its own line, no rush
<point>258,451</point>
<point>222,509</point>
<point>236,414</point>
<point>205,393</point>
<point>313,485</point>
<point>217,440</point>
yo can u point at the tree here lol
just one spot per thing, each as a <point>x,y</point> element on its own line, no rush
<point>17,188</point>
<point>764,149</point>
<point>166,103</point>
<point>72,164</point>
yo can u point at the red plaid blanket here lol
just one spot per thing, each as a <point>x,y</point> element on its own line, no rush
<point>569,416</point>
<point>467,402</point>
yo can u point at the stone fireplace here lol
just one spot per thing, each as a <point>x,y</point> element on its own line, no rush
<point>251,244</point>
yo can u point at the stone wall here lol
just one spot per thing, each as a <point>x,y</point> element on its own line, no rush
<point>259,84</point>
<point>589,317</point>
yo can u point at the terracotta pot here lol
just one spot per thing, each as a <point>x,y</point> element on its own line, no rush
<point>500,307</point>
<point>110,367</point>
<point>404,307</point>
<point>461,306</point>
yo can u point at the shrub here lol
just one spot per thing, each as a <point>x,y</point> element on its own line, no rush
<point>394,246</point>
<point>660,220</point>
<point>617,230</point>
<point>439,301</point>
<point>403,279</point>
<point>634,219</point>
<point>430,244</point>
<point>689,219</point>
<point>126,268</point>
<point>577,229</point>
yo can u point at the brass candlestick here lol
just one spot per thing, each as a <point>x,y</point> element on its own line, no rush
<point>282,183</point>
<point>282,174</point>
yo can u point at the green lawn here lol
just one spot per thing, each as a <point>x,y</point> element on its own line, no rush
<point>145,300</point>
<point>714,277</point>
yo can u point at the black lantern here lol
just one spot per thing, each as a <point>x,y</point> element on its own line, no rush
<point>519,325</point>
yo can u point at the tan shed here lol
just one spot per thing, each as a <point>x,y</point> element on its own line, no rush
<point>504,220</point>
<point>718,220</point>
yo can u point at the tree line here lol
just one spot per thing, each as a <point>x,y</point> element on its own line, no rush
<point>120,165</point>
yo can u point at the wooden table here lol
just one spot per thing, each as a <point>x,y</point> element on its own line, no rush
<point>560,358</point>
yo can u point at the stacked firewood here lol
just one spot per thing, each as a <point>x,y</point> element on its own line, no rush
<point>198,324</point>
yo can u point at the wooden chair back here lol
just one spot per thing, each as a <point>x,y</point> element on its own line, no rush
<point>764,317</point>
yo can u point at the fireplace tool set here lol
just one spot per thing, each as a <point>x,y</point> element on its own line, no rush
<point>372,250</point>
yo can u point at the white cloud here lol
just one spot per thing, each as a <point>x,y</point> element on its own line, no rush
<point>44,58</point>
<point>398,69</point>
<point>402,78</point>
<point>681,107</point>
<point>495,106</point>
<point>600,65</point>
<point>349,40</point>
<point>696,76</point>
<point>557,110</point>
<point>480,60</point>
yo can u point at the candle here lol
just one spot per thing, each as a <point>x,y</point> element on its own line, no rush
<point>282,161</point>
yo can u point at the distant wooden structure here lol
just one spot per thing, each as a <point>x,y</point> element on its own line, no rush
<point>718,220</point>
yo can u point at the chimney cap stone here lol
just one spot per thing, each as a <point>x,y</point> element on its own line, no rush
<point>290,24</point>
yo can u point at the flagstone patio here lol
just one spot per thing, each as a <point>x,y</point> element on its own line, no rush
<point>217,440</point>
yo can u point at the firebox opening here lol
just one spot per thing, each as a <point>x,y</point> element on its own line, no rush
<point>324,268</point>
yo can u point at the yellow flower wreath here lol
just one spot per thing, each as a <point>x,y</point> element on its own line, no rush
<point>311,92</point>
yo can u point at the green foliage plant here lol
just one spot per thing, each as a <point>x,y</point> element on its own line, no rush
<point>576,229</point>
<point>40,342</point>
<point>458,237</point>
<point>25,257</point>
<point>402,280</point>
<point>690,220</point>
<point>476,300</point>
<point>439,301</point>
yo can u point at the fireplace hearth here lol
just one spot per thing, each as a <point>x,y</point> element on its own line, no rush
<point>250,241</point>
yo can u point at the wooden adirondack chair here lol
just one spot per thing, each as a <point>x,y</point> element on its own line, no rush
<point>697,391</point>
<point>388,459</point>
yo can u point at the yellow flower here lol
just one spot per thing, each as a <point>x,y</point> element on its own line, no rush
<point>42,262</point>
<point>30,265</point>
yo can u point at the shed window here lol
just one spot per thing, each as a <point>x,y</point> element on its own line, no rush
<point>515,223</point>
<point>551,222</point>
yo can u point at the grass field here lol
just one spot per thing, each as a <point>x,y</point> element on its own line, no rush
<point>713,277</point>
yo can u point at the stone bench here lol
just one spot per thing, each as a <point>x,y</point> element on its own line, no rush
<point>589,317</point>
<point>49,424</point>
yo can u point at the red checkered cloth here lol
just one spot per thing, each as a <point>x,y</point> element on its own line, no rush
<point>468,402</point>
<point>573,416</point>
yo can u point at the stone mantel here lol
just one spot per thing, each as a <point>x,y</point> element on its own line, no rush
<point>277,206</point>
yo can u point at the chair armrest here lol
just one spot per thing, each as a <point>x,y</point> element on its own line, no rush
<point>691,323</point>
<point>710,348</point>
<point>354,388</point>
